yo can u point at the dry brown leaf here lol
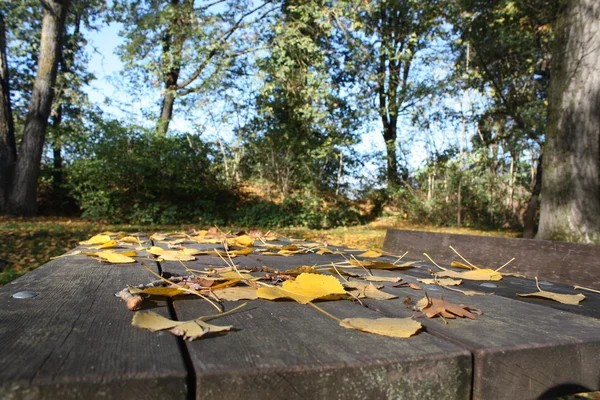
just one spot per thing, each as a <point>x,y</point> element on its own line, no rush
<point>434,307</point>
<point>393,327</point>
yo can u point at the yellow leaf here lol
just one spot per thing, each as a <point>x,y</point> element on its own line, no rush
<point>324,250</point>
<point>443,282</point>
<point>158,237</point>
<point>194,252</point>
<point>457,264</point>
<point>241,241</point>
<point>190,330</point>
<point>109,244</point>
<point>572,299</point>
<point>382,264</point>
<point>130,239</point>
<point>393,327</point>
<point>130,253</point>
<point>300,270</point>
<point>159,291</point>
<point>370,254</point>
<point>237,293</point>
<point>233,275</point>
<point>474,275</point>
<point>371,292</point>
<point>306,288</point>
<point>98,239</point>
<point>382,279</point>
<point>173,255</point>
<point>114,258</point>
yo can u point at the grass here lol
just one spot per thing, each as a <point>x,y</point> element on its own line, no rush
<point>26,244</point>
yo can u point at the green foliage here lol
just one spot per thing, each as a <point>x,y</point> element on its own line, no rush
<point>130,175</point>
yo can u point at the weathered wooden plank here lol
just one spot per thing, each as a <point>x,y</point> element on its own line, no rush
<point>75,339</point>
<point>569,263</point>
<point>520,350</point>
<point>292,351</point>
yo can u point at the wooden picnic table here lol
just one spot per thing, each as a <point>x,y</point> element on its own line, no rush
<point>75,340</point>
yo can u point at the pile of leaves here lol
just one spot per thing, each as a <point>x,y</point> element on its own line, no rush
<point>348,280</point>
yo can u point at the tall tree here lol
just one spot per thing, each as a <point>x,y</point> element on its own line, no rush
<point>184,47</point>
<point>385,39</point>
<point>21,187</point>
<point>570,208</point>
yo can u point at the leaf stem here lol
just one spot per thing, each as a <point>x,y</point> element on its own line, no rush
<point>585,288</point>
<point>434,263</point>
<point>462,258</point>
<point>509,261</point>
<point>324,312</point>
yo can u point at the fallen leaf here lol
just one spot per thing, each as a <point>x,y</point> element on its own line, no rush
<point>170,255</point>
<point>382,264</point>
<point>374,278</point>
<point>434,307</point>
<point>114,258</point>
<point>572,299</point>
<point>130,239</point>
<point>393,327</point>
<point>237,293</point>
<point>414,286</point>
<point>158,237</point>
<point>343,272</point>
<point>306,288</point>
<point>442,282</point>
<point>370,254</point>
<point>457,264</point>
<point>190,330</point>
<point>98,239</point>
<point>371,292</point>
<point>324,250</point>
<point>473,275</point>
<point>241,241</point>
<point>300,270</point>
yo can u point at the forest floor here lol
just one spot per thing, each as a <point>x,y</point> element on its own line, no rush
<point>26,244</point>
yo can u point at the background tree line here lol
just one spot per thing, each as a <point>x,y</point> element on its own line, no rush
<point>466,97</point>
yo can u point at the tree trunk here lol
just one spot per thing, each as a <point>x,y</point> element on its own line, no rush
<point>570,208</point>
<point>166,113</point>
<point>389,135</point>
<point>532,204</point>
<point>22,196</point>
<point>8,151</point>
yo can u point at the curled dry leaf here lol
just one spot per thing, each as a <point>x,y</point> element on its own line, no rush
<point>306,288</point>
<point>393,327</point>
<point>132,301</point>
<point>442,282</point>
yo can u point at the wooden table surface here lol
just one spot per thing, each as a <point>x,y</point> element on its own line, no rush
<point>75,340</point>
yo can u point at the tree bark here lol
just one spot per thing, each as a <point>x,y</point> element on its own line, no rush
<point>533,203</point>
<point>8,151</point>
<point>570,208</point>
<point>22,196</point>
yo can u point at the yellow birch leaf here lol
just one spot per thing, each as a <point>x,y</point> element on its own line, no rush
<point>375,278</point>
<point>243,252</point>
<point>237,293</point>
<point>173,255</point>
<point>443,282</point>
<point>393,327</point>
<point>371,292</point>
<point>572,299</point>
<point>306,288</point>
<point>370,254</point>
<point>130,253</point>
<point>114,258</point>
<point>474,275</point>
<point>324,250</point>
<point>98,239</point>
<point>107,245</point>
<point>241,241</point>
<point>359,285</point>
<point>194,252</point>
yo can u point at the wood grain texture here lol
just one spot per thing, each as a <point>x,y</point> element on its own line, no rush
<point>75,339</point>
<point>287,350</point>
<point>520,350</point>
<point>569,263</point>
